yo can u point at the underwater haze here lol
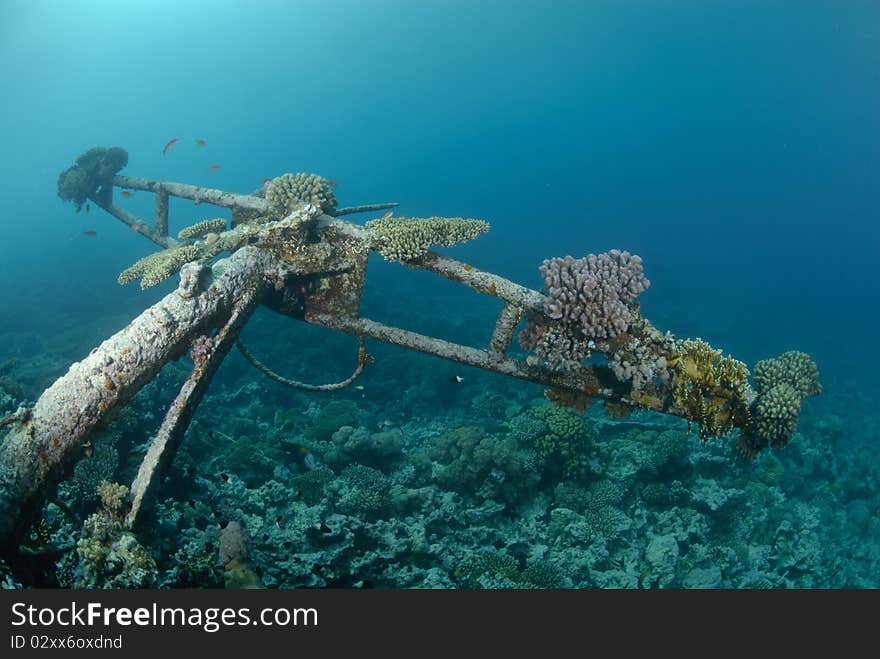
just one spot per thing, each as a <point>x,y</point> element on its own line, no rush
<point>734,147</point>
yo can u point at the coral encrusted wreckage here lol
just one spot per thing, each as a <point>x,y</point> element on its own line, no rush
<point>356,501</point>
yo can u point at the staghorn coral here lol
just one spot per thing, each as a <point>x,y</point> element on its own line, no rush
<point>710,389</point>
<point>203,228</point>
<point>406,239</point>
<point>288,191</point>
<point>155,268</point>
<point>589,302</point>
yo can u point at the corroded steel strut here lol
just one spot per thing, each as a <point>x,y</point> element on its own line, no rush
<point>308,265</point>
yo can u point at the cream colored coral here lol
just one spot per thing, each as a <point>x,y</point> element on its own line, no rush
<point>203,228</point>
<point>406,239</point>
<point>156,268</point>
<point>287,191</point>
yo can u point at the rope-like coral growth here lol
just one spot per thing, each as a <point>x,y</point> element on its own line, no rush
<point>363,358</point>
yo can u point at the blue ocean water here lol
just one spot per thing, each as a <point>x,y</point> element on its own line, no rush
<point>733,147</point>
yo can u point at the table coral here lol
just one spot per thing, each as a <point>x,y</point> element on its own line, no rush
<point>406,239</point>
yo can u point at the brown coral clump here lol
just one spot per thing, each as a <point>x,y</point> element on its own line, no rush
<point>579,401</point>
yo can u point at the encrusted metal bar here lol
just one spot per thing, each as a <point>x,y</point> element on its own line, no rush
<point>575,380</point>
<point>482,281</point>
<point>164,446</point>
<point>136,224</point>
<point>502,335</point>
<point>35,454</point>
<point>162,214</point>
<point>193,192</point>
<point>366,208</point>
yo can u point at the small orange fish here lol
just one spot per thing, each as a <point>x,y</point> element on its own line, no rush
<point>266,181</point>
<point>55,442</point>
<point>90,233</point>
<point>128,194</point>
<point>492,290</point>
<point>200,142</point>
<point>169,145</point>
<point>135,227</point>
<point>304,450</point>
<point>468,268</point>
<point>213,168</point>
<point>332,184</point>
<point>387,215</point>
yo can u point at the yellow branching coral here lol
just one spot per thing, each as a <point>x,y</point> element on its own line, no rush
<point>203,228</point>
<point>113,496</point>
<point>710,389</point>
<point>156,268</point>
<point>406,239</point>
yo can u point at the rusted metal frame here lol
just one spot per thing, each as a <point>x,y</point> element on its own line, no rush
<point>36,453</point>
<point>134,223</point>
<point>193,192</point>
<point>482,281</point>
<point>222,198</point>
<point>505,326</point>
<point>576,380</point>
<point>164,446</point>
<point>365,208</point>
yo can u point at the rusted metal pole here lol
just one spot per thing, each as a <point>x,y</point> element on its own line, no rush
<point>194,192</point>
<point>164,445</point>
<point>135,224</point>
<point>576,380</point>
<point>482,281</point>
<point>162,214</point>
<point>36,452</point>
<point>366,208</point>
<point>502,335</point>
